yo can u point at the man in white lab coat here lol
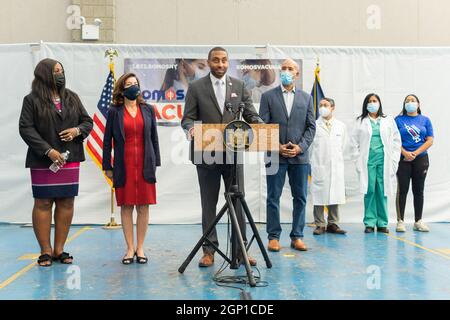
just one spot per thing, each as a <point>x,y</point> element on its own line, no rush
<point>327,168</point>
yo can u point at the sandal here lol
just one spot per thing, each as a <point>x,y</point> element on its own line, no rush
<point>44,258</point>
<point>63,257</point>
<point>128,260</point>
<point>141,260</point>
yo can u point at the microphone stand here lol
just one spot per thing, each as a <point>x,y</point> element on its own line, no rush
<point>234,197</point>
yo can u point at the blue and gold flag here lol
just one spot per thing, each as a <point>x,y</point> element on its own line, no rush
<point>317,92</point>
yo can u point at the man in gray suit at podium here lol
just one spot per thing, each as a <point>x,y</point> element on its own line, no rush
<point>206,99</point>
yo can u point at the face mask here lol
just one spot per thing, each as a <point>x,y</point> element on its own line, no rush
<point>324,112</point>
<point>373,107</point>
<point>249,82</point>
<point>411,107</point>
<point>286,78</point>
<point>60,80</point>
<point>132,93</point>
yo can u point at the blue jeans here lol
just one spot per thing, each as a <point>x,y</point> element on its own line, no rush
<point>298,180</point>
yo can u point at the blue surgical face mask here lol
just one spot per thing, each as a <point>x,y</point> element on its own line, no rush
<point>373,107</point>
<point>286,78</point>
<point>411,107</point>
<point>249,82</point>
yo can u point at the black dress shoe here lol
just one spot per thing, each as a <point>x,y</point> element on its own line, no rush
<point>369,230</point>
<point>334,228</point>
<point>319,231</point>
<point>383,230</point>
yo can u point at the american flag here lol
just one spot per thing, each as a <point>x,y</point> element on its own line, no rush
<point>94,144</point>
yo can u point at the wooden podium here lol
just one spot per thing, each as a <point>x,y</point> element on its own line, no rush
<point>211,137</point>
<point>235,137</point>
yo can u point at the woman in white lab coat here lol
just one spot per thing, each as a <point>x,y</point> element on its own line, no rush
<point>376,147</point>
<point>327,168</point>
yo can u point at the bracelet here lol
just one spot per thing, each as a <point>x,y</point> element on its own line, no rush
<point>48,151</point>
<point>78,131</point>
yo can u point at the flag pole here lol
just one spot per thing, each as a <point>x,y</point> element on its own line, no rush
<point>325,210</point>
<point>316,71</point>
<point>112,224</point>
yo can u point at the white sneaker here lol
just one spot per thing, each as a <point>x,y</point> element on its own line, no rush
<point>400,226</point>
<point>420,226</point>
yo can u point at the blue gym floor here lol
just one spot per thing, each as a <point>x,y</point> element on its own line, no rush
<point>355,266</point>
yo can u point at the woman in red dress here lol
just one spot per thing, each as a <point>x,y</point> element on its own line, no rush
<point>131,128</point>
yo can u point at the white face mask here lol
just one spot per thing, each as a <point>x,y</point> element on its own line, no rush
<point>324,112</point>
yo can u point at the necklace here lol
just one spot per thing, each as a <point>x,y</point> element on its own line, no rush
<point>57,101</point>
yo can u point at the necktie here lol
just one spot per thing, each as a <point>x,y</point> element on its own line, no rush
<point>328,124</point>
<point>219,95</point>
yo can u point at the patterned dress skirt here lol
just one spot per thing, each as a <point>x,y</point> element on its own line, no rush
<point>62,184</point>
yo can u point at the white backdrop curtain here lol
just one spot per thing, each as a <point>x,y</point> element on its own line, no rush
<point>347,75</point>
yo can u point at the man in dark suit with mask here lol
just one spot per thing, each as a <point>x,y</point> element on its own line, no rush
<point>292,109</point>
<point>206,99</point>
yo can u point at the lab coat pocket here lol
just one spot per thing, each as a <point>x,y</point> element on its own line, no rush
<point>318,174</point>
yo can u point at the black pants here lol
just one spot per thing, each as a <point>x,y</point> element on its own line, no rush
<point>416,171</point>
<point>209,179</point>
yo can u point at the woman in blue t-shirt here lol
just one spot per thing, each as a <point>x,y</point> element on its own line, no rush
<point>417,136</point>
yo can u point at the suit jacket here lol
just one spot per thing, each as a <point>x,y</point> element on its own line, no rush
<point>299,127</point>
<point>201,105</point>
<point>114,132</point>
<point>40,130</point>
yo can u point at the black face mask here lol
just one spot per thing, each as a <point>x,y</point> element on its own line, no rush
<point>132,93</point>
<point>60,80</point>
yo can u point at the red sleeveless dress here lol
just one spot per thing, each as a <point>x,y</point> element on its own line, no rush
<point>136,191</point>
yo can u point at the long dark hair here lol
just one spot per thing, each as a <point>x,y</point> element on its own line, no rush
<point>365,112</point>
<point>119,88</point>
<point>404,112</point>
<point>43,87</point>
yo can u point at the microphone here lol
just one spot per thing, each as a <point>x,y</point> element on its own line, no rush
<point>229,107</point>
<point>241,110</point>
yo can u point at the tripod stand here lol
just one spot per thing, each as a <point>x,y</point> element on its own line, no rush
<point>234,197</point>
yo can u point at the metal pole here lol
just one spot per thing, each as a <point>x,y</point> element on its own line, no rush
<point>111,53</point>
<point>112,224</point>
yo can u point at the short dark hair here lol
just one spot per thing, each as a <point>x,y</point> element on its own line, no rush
<point>216,49</point>
<point>331,101</point>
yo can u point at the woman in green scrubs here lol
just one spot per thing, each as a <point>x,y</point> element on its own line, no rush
<point>376,149</point>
